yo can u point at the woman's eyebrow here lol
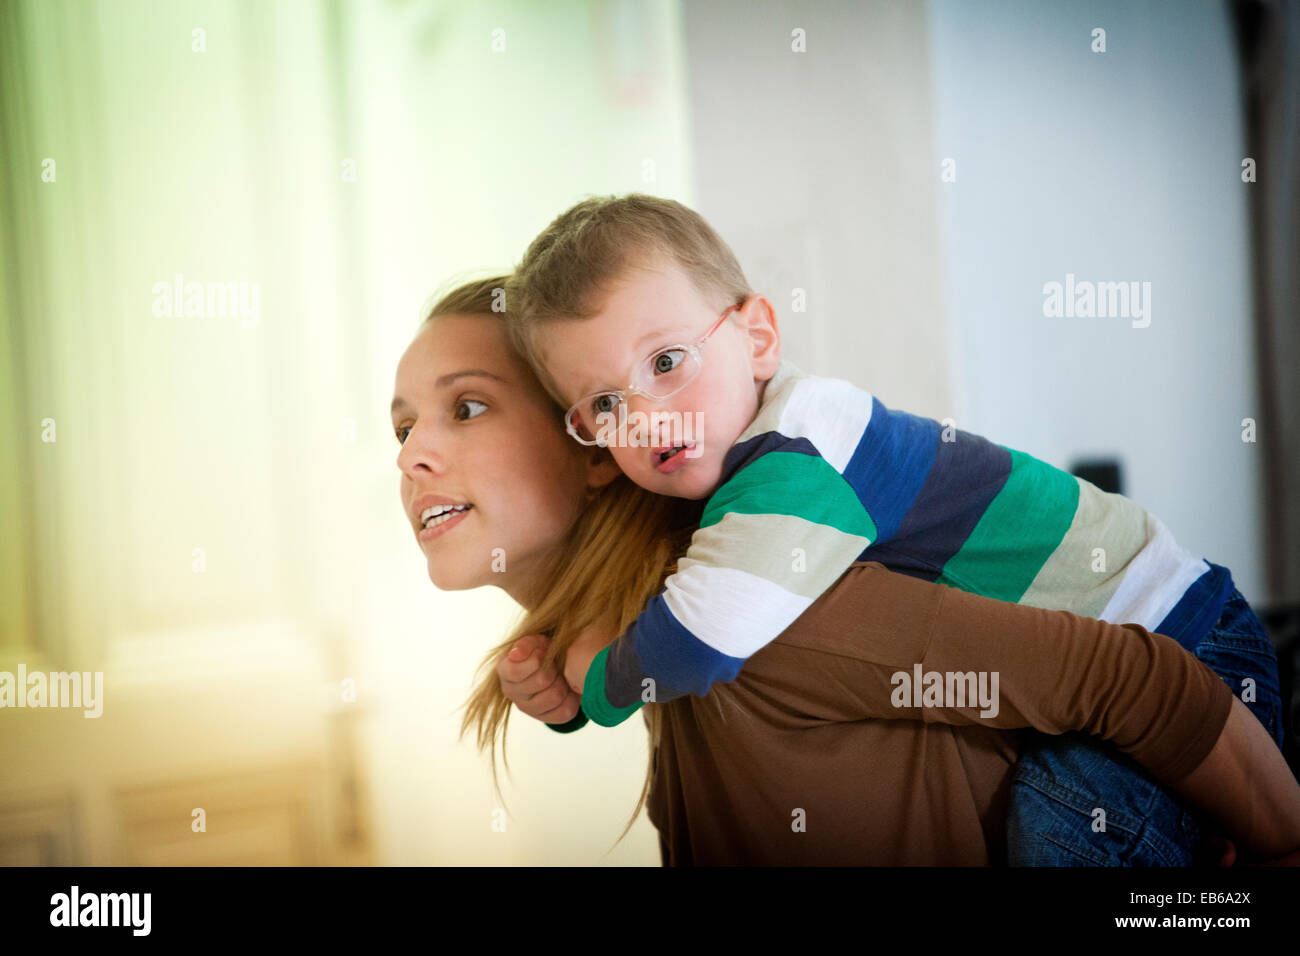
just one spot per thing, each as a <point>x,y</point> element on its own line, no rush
<point>401,404</point>
<point>450,377</point>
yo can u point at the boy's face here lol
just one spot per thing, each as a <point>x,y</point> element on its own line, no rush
<point>647,309</point>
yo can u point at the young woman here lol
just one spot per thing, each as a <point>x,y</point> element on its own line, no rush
<point>825,749</point>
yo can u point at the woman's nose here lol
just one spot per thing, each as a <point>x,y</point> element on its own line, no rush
<point>423,451</point>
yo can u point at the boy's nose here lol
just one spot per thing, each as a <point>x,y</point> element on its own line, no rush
<point>645,404</point>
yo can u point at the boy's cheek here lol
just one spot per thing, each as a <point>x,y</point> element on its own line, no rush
<point>625,459</point>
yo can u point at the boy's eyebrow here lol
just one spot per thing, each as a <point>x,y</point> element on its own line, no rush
<point>652,334</point>
<point>402,404</point>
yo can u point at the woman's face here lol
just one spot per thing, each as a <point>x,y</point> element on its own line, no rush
<point>491,483</point>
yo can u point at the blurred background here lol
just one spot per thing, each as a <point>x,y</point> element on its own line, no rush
<point>206,508</point>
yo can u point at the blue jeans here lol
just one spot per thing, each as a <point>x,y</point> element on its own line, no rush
<point>1060,779</point>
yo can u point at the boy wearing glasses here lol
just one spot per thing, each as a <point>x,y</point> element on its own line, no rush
<point>634,305</point>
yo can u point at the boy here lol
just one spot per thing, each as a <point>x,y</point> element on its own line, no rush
<point>633,305</point>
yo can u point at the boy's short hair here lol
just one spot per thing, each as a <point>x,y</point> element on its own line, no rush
<point>571,263</point>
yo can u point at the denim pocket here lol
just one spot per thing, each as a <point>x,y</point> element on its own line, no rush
<point>1239,649</point>
<point>1059,784</point>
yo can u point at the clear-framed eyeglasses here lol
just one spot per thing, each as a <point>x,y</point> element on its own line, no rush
<point>661,374</point>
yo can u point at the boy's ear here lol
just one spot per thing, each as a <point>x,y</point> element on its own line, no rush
<point>764,337</point>
<point>601,468</point>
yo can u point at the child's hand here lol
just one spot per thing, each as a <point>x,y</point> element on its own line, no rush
<point>538,691</point>
<point>581,653</point>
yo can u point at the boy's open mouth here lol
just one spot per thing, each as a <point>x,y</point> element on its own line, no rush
<point>667,459</point>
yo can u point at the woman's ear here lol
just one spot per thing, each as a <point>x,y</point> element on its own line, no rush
<point>601,468</point>
<point>764,337</point>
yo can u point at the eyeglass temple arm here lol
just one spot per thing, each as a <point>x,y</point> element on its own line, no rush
<point>718,324</point>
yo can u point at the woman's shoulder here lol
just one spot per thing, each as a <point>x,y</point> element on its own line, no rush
<point>871,614</point>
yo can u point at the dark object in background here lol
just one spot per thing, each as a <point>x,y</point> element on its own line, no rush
<point>1102,472</point>
<point>1268,41</point>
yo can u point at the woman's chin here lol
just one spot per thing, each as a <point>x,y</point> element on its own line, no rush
<point>456,576</point>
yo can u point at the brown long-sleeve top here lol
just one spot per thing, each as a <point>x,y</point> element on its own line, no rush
<point>808,736</point>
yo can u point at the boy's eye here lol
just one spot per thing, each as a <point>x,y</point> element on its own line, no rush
<point>482,407</point>
<point>604,404</point>
<point>666,361</point>
<point>401,434</point>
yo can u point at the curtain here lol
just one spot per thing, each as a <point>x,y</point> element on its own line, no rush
<point>1268,34</point>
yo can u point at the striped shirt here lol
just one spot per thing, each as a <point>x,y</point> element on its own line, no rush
<point>826,475</point>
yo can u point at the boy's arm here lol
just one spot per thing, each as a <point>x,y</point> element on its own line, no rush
<point>772,538</point>
<point>577,723</point>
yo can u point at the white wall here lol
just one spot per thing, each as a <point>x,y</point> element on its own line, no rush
<point>1123,165</point>
<point>816,167</point>
<point>823,171</point>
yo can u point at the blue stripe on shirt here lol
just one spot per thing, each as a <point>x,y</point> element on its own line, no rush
<point>662,645</point>
<point>1200,607</point>
<point>889,467</point>
<point>754,448</point>
<point>967,473</point>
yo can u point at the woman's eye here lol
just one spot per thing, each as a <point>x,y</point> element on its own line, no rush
<point>460,417</point>
<point>667,361</point>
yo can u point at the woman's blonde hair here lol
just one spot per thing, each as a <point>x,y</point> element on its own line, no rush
<point>620,549</point>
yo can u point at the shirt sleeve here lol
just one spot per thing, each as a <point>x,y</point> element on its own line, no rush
<point>569,726</point>
<point>881,634</point>
<point>772,538</point>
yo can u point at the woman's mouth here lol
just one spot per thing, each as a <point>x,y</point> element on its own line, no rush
<point>441,518</point>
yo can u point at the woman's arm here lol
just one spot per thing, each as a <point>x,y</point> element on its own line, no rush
<point>1246,784</point>
<point>1050,670</point>
<point>1150,697</point>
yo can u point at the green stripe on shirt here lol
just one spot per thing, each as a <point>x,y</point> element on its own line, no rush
<point>1086,569</point>
<point>1019,530</point>
<point>789,483</point>
<point>594,703</point>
